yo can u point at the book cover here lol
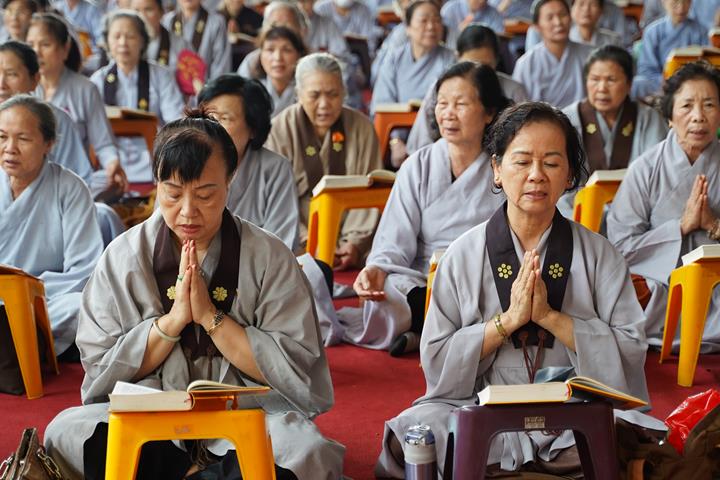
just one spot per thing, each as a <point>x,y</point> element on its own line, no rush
<point>605,176</point>
<point>701,253</point>
<point>338,182</point>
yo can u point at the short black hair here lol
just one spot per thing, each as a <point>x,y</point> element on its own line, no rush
<point>257,103</point>
<point>26,55</point>
<point>414,4</point>
<point>699,70</point>
<point>184,146</point>
<point>485,81</point>
<point>475,36</point>
<point>611,53</point>
<point>513,119</point>
<point>538,4</point>
<point>57,27</point>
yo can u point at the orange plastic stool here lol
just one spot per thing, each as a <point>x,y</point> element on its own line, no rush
<point>326,212</point>
<point>24,298</point>
<point>385,122</point>
<point>590,201</point>
<point>690,290</point>
<point>128,431</point>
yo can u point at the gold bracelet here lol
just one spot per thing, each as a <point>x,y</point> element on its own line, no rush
<point>163,335</point>
<point>501,330</point>
<point>217,321</point>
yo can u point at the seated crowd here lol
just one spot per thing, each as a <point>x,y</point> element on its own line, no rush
<point>254,107</point>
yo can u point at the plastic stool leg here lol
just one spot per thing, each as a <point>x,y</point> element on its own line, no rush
<point>123,449</point>
<point>695,304</point>
<point>19,310</point>
<point>672,312</point>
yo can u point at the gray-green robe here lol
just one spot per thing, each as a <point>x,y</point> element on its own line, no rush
<point>122,300</point>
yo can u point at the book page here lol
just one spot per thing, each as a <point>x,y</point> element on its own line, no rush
<point>126,388</point>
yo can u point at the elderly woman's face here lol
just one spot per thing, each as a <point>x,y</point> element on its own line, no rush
<point>193,210</point>
<point>460,114</point>
<point>22,146</point>
<point>51,53</point>
<point>586,13</point>
<point>425,28</point>
<point>150,10</point>
<point>16,18</point>
<point>321,96</point>
<point>125,42</point>
<point>229,110</point>
<point>696,115</point>
<point>607,86</point>
<point>554,21</point>
<point>278,58</point>
<point>535,171</point>
<point>14,76</point>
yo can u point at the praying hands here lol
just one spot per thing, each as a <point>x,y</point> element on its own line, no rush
<point>697,214</point>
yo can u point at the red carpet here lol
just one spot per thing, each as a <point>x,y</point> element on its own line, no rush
<point>370,387</point>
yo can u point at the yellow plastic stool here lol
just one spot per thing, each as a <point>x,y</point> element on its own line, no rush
<point>690,290</point>
<point>590,201</point>
<point>128,431</point>
<point>24,298</point>
<point>326,212</point>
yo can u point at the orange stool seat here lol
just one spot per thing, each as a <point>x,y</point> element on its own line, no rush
<point>385,122</point>
<point>128,431</point>
<point>590,201</point>
<point>690,291</point>
<point>24,298</point>
<point>326,212</point>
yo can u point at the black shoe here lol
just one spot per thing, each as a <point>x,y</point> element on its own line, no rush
<point>408,342</point>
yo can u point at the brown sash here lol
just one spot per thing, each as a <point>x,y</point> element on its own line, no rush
<point>593,141</point>
<point>555,272</point>
<point>222,287</point>
<point>199,27</point>
<point>312,147</point>
<point>143,86</point>
<point>163,56</point>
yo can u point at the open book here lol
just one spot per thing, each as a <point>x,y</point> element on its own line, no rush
<point>694,51</point>
<point>409,106</point>
<point>703,252</point>
<point>581,388</point>
<point>131,397</point>
<point>112,112</point>
<point>336,182</point>
<point>604,176</point>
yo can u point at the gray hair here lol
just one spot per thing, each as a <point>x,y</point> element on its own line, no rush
<point>138,22</point>
<point>40,109</point>
<point>317,62</point>
<point>300,17</point>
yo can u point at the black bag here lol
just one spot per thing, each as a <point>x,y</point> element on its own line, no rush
<point>29,462</point>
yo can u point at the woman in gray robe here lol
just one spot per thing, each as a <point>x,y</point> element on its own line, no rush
<point>477,43</point>
<point>164,45</point>
<point>668,205</point>
<point>129,80</point>
<point>263,189</point>
<point>62,85</point>
<point>440,192</point>
<point>527,282</point>
<point>148,316</point>
<point>47,220</point>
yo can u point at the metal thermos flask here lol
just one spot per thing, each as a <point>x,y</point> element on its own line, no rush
<point>420,463</point>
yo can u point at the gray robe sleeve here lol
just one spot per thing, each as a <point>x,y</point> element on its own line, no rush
<point>68,150</point>
<point>282,214</point>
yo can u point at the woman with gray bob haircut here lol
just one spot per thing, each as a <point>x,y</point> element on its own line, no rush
<point>35,192</point>
<point>320,136</point>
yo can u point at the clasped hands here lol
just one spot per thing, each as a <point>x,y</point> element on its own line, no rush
<point>697,214</point>
<point>192,300</point>
<point>528,296</point>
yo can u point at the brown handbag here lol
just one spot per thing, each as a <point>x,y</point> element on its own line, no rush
<point>29,462</point>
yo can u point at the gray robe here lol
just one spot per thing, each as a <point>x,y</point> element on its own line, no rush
<point>644,225</point>
<point>280,100</point>
<point>121,302</point>
<point>422,133</point>
<point>177,44</point>
<point>263,193</point>
<point>426,211</point>
<point>165,101</point>
<point>559,82</point>
<point>650,129</point>
<point>50,231</point>
<point>68,150</point>
<point>608,332</point>
<point>79,98</point>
